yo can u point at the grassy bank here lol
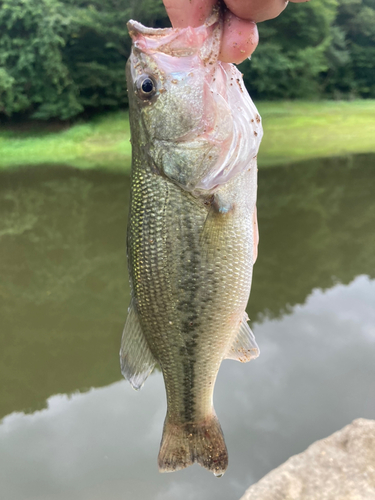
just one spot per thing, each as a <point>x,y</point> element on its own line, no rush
<point>292,131</point>
<point>103,142</point>
<point>302,130</point>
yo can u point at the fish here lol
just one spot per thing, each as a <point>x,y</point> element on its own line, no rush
<point>192,232</point>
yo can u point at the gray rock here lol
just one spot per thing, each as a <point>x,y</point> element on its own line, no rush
<point>339,467</point>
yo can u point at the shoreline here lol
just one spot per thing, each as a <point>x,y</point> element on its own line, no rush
<point>294,131</point>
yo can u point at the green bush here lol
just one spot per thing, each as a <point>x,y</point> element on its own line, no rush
<point>356,20</point>
<point>292,52</point>
<point>59,58</point>
<point>33,75</point>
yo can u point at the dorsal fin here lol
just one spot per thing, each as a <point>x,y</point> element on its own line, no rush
<point>244,347</point>
<point>137,361</point>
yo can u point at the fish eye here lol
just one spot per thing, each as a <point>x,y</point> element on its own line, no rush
<point>146,87</point>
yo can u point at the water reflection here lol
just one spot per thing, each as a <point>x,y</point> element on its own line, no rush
<point>317,225</point>
<point>63,278</point>
<point>63,283</point>
<point>63,301</point>
<point>307,384</point>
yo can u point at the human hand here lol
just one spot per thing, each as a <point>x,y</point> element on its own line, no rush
<point>240,37</point>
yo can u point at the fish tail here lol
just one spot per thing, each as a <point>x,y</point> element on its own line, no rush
<point>185,443</point>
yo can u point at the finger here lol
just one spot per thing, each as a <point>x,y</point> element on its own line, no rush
<point>257,10</point>
<point>240,38</point>
<point>183,13</point>
<point>299,1</point>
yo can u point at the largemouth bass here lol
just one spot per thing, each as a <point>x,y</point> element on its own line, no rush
<point>192,233</point>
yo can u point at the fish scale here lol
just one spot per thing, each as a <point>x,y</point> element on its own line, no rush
<point>190,250</point>
<point>177,281</point>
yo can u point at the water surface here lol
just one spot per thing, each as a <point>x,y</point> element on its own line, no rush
<point>72,429</point>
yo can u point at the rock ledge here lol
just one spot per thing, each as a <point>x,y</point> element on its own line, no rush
<point>339,467</point>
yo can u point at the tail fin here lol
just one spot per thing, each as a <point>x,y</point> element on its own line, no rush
<point>184,444</point>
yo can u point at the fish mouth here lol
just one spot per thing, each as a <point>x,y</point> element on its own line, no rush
<point>135,28</point>
<point>181,42</point>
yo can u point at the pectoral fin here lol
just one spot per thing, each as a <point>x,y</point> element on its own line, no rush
<point>217,224</point>
<point>136,359</point>
<point>244,347</point>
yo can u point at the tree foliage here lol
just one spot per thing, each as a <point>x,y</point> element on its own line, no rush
<point>33,73</point>
<point>292,52</point>
<point>355,22</point>
<point>59,58</point>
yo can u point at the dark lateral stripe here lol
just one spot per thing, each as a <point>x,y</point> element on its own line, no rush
<point>190,270</point>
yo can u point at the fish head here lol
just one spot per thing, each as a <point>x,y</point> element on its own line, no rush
<point>179,99</point>
<point>167,79</point>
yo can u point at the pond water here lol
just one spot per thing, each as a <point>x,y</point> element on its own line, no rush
<point>71,428</point>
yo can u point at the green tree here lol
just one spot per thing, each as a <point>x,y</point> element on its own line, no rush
<point>292,53</point>
<point>61,57</point>
<point>99,45</point>
<point>356,21</point>
<point>33,75</point>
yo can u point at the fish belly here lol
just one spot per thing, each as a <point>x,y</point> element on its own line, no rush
<point>190,268</point>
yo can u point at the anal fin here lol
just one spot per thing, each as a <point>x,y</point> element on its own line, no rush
<point>136,359</point>
<point>244,347</point>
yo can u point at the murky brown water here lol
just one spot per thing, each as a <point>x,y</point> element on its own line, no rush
<point>71,429</point>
